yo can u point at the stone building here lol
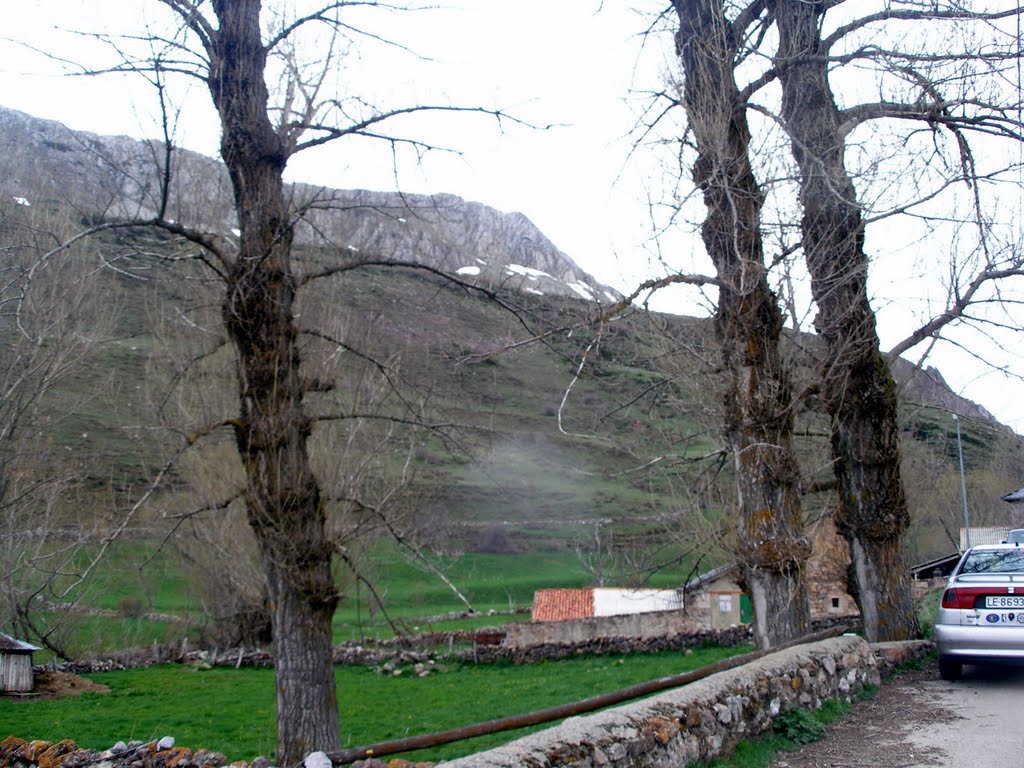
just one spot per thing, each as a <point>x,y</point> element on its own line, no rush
<point>710,601</point>
<point>827,571</point>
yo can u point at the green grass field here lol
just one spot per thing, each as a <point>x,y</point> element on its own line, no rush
<point>232,711</point>
<point>136,578</point>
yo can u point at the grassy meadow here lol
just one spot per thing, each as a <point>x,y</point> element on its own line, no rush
<point>138,582</point>
<point>232,711</point>
<point>621,483</point>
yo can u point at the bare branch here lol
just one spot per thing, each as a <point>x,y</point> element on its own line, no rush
<point>193,18</point>
<point>330,133</point>
<point>962,301</point>
<point>898,14</point>
<point>324,15</point>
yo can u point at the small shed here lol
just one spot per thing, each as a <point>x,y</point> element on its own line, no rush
<point>15,665</point>
<point>939,568</point>
<point>716,596</point>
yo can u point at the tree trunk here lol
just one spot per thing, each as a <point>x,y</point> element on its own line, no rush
<point>282,497</point>
<point>758,413</point>
<point>858,385</point>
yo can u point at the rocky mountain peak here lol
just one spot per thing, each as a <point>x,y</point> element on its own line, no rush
<point>42,162</point>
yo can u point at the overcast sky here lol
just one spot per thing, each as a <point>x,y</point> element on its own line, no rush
<point>579,64</point>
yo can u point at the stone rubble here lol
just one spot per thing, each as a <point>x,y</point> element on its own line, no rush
<point>19,753</point>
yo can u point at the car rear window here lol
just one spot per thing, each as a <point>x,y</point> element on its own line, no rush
<point>1000,561</point>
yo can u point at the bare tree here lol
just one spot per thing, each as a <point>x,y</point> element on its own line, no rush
<point>857,385</point>
<point>757,409</point>
<point>859,391</point>
<point>51,324</point>
<point>267,76</point>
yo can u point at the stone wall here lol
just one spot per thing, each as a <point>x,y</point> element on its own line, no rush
<point>604,646</point>
<point>699,721</point>
<point>644,625</point>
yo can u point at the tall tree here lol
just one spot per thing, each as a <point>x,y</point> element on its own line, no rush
<point>858,387</point>
<point>235,48</point>
<point>283,498</point>
<point>758,400</point>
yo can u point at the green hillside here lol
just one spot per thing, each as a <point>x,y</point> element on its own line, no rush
<point>509,441</point>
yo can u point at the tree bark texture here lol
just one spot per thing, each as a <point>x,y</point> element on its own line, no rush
<point>757,404</point>
<point>283,499</point>
<point>858,385</point>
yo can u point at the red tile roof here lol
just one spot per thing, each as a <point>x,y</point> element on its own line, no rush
<point>562,604</point>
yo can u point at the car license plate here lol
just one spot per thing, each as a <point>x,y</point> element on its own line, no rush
<point>1004,601</point>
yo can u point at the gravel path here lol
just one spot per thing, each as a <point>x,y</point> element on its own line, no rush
<point>917,720</point>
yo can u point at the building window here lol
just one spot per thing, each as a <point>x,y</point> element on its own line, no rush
<point>835,603</point>
<point>725,603</point>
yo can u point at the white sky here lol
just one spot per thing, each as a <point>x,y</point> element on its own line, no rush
<point>572,62</point>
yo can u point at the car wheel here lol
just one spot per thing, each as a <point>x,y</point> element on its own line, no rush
<point>950,669</point>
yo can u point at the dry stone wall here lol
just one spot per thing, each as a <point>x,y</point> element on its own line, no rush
<point>652,624</point>
<point>696,722</point>
<point>597,646</point>
<point>19,753</point>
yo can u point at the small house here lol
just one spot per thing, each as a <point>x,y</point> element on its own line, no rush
<point>716,596</point>
<point>15,665</point>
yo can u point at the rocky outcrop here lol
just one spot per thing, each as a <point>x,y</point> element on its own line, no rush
<point>44,163</point>
<point>926,385</point>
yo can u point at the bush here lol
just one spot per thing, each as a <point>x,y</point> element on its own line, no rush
<point>799,726</point>
<point>132,607</point>
<point>495,540</point>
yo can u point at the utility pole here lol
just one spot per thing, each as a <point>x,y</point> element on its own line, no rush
<point>963,481</point>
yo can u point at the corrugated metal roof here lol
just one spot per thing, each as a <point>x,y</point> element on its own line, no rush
<point>9,645</point>
<point>710,576</point>
<point>621,602</point>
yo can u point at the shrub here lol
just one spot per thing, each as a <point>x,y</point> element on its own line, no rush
<point>799,726</point>
<point>132,607</point>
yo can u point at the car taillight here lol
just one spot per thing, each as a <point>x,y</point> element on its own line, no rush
<point>962,597</point>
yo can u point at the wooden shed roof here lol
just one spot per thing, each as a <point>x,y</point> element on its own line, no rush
<point>10,645</point>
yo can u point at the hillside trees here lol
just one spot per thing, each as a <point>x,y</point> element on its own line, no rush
<point>951,92</point>
<point>757,401</point>
<point>52,324</point>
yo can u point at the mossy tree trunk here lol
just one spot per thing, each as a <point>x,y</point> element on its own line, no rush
<point>757,406</point>
<point>858,385</point>
<point>282,496</point>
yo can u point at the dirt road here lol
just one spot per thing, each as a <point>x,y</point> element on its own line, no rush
<point>917,720</point>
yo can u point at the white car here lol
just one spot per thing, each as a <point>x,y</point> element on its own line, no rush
<point>981,616</point>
